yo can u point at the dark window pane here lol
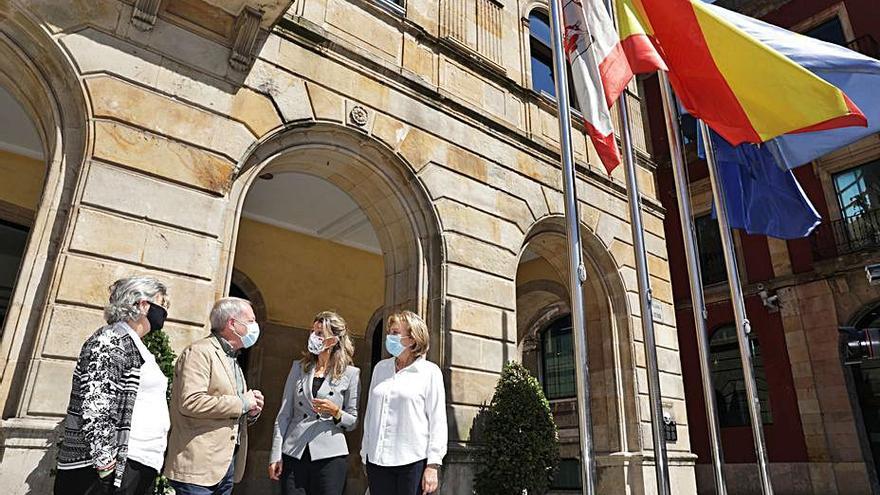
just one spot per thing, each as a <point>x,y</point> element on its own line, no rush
<point>830,31</point>
<point>858,194</point>
<point>711,252</point>
<point>688,126</point>
<point>539,27</point>
<point>727,377</point>
<point>569,475</point>
<point>542,76</point>
<point>858,189</point>
<point>13,239</point>
<point>557,360</point>
<point>543,79</point>
<point>866,378</point>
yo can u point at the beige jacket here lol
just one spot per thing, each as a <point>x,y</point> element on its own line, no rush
<point>205,414</point>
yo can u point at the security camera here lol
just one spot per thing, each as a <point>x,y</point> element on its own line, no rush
<point>771,302</point>
<point>873,273</point>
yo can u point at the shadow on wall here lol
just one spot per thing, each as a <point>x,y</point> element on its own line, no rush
<point>41,480</point>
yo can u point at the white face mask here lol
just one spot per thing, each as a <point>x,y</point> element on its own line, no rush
<point>251,335</point>
<point>316,344</point>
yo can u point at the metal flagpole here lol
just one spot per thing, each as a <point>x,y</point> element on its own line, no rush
<point>739,311</point>
<point>645,299</point>
<point>693,264</point>
<point>577,270</point>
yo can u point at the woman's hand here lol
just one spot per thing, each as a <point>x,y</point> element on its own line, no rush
<point>275,470</point>
<point>325,406</point>
<point>429,480</point>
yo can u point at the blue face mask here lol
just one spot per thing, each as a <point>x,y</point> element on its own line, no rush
<point>392,343</point>
<point>250,338</point>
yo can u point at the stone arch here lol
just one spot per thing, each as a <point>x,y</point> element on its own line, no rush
<point>240,279</point>
<point>387,190</point>
<point>44,81</point>
<point>372,340</point>
<point>852,375</point>
<point>528,7</point>
<point>609,332</point>
<point>862,312</point>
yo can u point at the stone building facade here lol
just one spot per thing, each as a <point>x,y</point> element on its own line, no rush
<point>358,155</point>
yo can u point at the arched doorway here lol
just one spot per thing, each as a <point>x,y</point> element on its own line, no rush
<point>546,344</point>
<point>865,388</point>
<point>328,219</point>
<point>44,131</point>
<point>23,171</point>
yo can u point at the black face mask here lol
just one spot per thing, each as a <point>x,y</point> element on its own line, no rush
<point>156,316</point>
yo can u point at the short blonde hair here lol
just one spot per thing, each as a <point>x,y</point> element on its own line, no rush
<point>418,330</point>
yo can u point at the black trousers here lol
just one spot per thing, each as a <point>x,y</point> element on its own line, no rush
<point>307,477</point>
<point>396,480</point>
<point>136,480</point>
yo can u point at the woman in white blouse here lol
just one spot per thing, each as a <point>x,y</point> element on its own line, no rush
<point>405,430</point>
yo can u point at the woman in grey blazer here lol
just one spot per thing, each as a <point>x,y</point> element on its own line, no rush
<point>319,404</point>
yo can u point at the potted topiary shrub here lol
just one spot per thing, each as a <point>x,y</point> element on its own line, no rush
<point>157,342</point>
<point>517,441</point>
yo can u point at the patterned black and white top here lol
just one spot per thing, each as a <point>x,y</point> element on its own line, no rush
<point>105,386</point>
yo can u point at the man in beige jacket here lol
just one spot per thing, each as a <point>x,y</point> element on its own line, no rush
<point>211,406</point>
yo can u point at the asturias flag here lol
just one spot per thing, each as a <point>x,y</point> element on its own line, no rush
<point>600,69</point>
<point>744,89</point>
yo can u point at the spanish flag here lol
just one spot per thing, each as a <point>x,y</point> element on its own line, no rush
<point>742,88</point>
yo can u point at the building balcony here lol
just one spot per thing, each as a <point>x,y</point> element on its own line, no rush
<point>846,236</point>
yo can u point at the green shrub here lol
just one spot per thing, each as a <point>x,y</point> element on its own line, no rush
<point>157,342</point>
<point>517,442</point>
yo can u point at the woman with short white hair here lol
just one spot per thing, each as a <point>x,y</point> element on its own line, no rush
<point>117,423</point>
<point>405,430</point>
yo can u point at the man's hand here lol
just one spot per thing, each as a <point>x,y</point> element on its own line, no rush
<point>254,399</point>
<point>275,470</point>
<point>429,480</point>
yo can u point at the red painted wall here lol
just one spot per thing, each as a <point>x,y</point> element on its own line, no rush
<point>864,15</point>
<point>785,437</point>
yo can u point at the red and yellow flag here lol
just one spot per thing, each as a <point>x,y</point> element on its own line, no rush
<point>742,88</point>
<point>635,39</point>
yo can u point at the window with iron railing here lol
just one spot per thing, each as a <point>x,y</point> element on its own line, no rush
<point>858,197</point>
<point>832,32</point>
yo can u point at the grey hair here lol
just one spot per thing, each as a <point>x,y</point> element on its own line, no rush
<point>224,309</point>
<point>126,293</point>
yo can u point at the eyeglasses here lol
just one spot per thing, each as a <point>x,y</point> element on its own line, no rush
<point>165,304</point>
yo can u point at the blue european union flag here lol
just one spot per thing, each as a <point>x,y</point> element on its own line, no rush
<point>761,197</point>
